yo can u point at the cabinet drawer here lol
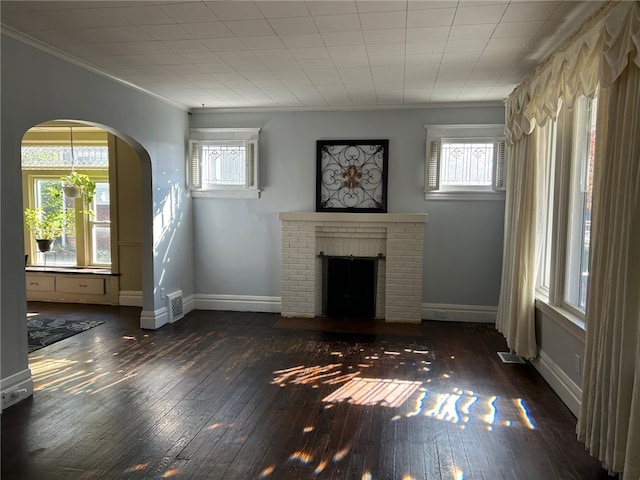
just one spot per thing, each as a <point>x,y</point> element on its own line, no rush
<point>76,284</point>
<point>37,283</point>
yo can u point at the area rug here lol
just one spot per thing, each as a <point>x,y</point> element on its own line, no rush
<point>43,332</point>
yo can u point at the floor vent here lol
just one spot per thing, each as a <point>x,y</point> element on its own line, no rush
<point>507,357</point>
<point>174,304</point>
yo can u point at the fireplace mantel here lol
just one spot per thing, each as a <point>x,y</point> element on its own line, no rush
<point>354,217</point>
<point>396,238</point>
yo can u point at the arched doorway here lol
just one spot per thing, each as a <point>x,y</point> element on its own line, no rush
<point>107,236</point>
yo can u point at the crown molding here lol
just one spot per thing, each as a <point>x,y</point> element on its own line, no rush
<point>39,45</point>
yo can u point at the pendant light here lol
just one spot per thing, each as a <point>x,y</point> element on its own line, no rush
<point>71,190</point>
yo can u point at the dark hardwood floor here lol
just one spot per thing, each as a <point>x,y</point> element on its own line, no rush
<point>225,395</point>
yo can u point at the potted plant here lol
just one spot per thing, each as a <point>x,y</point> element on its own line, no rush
<point>79,185</point>
<point>49,221</point>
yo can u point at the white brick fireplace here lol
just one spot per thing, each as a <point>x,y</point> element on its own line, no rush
<point>395,238</point>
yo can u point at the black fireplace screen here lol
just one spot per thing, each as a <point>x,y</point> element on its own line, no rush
<point>349,287</point>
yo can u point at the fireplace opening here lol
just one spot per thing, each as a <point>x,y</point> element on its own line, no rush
<point>349,286</point>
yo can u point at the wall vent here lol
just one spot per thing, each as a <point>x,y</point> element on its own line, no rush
<point>174,305</point>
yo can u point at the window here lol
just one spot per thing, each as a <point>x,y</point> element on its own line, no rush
<point>564,272</point>
<point>464,160</point>
<point>86,240</point>
<point>577,270</point>
<point>224,162</point>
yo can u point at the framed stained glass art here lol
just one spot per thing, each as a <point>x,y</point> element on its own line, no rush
<point>352,175</point>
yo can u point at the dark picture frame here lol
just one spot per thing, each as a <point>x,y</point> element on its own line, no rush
<point>352,175</point>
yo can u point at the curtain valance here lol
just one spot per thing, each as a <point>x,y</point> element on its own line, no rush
<point>597,54</point>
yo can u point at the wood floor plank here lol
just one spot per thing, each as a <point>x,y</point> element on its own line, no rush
<point>225,395</point>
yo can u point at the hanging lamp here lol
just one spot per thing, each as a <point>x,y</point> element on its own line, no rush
<point>71,190</point>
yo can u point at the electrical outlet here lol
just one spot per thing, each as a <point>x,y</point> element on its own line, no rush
<point>577,364</point>
<point>440,314</point>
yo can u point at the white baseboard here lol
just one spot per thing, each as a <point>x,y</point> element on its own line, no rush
<point>459,313</point>
<point>188,303</point>
<point>152,320</point>
<point>130,298</point>
<point>238,303</point>
<point>16,387</point>
<point>565,388</point>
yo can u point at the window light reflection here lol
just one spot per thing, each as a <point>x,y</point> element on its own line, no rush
<point>374,391</point>
<point>524,414</point>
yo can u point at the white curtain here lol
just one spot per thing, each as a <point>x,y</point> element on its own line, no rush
<point>525,209</point>
<point>609,421</point>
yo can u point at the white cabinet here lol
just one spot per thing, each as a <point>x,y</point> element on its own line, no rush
<point>59,286</point>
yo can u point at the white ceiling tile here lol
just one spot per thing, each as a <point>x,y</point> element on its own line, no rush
<point>517,29</point>
<point>316,74</point>
<point>427,34</point>
<point>185,46</point>
<point>421,70</point>
<point>317,52</point>
<point>263,43</point>
<point>394,35</point>
<point>462,67</point>
<point>529,11</point>
<point>311,64</point>
<point>280,9</point>
<point>337,23</point>
<point>337,39</point>
<point>208,30</point>
<point>431,18</point>
<point>375,21</point>
<point>274,55</point>
<point>224,44</point>
<point>167,32</point>
<point>121,34</point>
<point>351,62</point>
<point>342,52</point>
<point>321,82</point>
<point>201,57</point>
<point>302,41</point>
<point>454,46</point>
<point>291,73</point>
<point>354,72</point>
<point>215,68</point>
<point>168,59</point>
<point>460,57</point>
<point>279,65</point>
<point>235,10</point>
<point>389,97</point>
<point>250,28</point>
<point>386,60</point>
<point>476,15</point>
<point>331,7</point>
<point>145,15</point>
<point>122,60</point>
<point>425,48</point>
<point>513,44</point>
<point>384,50</point>
<point>256,68</point>
<point>424,5</point>
<point>365,6</point>
<point>472,32</point>
<point>424,59</point>
<point>238,57</point>
<point>293,26</point>
<point>189,12</point>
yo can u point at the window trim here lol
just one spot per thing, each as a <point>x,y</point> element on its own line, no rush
<point>484,132</point>
<point>249,137</point>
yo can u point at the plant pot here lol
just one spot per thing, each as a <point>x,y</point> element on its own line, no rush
<point>71,191</point>
<point>44,244</point>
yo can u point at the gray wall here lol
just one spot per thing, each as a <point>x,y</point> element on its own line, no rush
<point>237,242</point>
<point>37,87</point>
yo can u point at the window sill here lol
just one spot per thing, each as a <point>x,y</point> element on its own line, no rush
<point>465,196</point>
<point>567,320</point>
<point>223,193</point>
